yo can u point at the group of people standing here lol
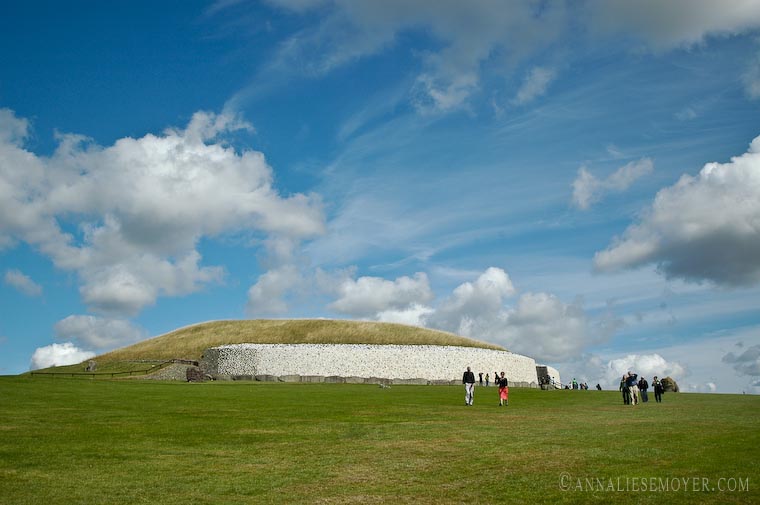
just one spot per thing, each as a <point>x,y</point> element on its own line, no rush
<point>487,378</point>
<point>468,379</point>
<point>635,389</point>
<point>577,385</point>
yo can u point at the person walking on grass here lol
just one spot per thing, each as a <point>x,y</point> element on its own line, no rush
<point>658,389</point>
<point>626,392</point>
<point>468,379</point>
<point>503,390</point>
<point>643,386</point>
<point>633,385</point>
<point>488,378</point>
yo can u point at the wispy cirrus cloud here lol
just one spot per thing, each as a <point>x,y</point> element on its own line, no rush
<point>746,362</point>
<point>468,35</point>
<point>22,282</point>
<point>535,84</point>
<point>588,189</point>
<point>751,78</point>
<point>481,35</point>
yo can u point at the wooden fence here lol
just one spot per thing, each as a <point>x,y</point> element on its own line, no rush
<point>128,373</point>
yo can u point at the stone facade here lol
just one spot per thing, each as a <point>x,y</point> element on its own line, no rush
<point>360,363</point>
<point>553,373</point>
<point>173,372</point>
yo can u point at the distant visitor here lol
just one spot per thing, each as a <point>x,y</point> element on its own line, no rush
<point>503,390</point>
<point>468,379</point>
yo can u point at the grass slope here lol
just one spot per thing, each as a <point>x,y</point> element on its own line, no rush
<point>140,442</point>
<point>108,369</point>
<point>190,342</point>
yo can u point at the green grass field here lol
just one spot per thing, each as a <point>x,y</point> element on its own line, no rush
<point>82,441</point>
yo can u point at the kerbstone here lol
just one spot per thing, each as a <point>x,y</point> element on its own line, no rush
<point>312,378</point>
<point>266,378</point>
<point>411,382</point>
<point>290,378</point>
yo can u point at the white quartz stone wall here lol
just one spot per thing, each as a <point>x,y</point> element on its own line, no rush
<point>355,360</point>
<point>553,373</point>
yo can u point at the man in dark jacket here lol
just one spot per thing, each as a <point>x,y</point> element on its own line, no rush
<point>658,390</point>
<point>626,392</point>
<point>468,379</point>
<point>643,386</point>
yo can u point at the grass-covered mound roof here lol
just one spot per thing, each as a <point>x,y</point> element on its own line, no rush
<point>191,341</point>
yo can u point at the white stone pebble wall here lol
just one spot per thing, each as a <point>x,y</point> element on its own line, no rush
<point>356,360</point>
<point>553,373</point>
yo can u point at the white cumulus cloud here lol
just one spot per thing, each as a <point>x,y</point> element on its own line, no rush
<point>543,326</point>
<point>488,308</point>
<point>703,228</point>
<point>98,332</point>
<point>475,307</point>
<point>594,369</point>
<point>139,207</point>
<point>369,296</point>
<point>414,315</point>
<point>644,365</point>
<point>58,355</point>
<point>13,130</point>
<point>536,324</point>
<point>268,295</point>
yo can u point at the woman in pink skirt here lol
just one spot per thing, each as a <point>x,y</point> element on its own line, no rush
<point>503,390</point>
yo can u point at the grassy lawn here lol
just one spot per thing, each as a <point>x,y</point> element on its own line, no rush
<point>78,441</point>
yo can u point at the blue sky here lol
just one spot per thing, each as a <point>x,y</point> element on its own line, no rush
<point>579,182</point>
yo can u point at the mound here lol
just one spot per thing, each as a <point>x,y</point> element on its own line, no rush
<point>191,341</point>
